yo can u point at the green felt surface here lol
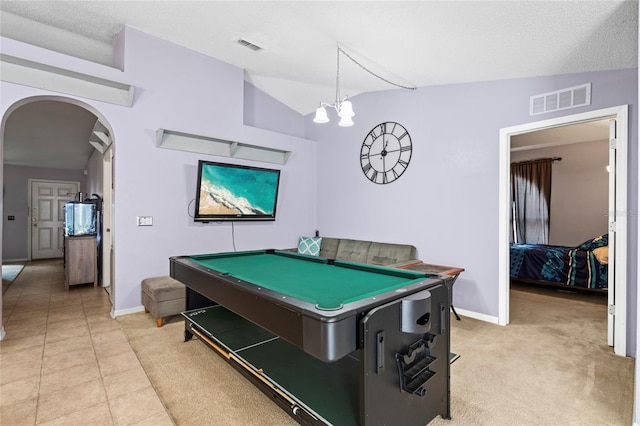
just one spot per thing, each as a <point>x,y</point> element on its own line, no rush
<point>235,331</point>
<point>328,388</point>
<point>312,280</point>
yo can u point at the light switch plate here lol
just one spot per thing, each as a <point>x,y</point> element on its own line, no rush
<point>145,220</point>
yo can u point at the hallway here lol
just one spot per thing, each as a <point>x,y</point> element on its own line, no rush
<point>65,361</point>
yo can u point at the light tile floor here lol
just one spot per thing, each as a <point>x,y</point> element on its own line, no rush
<point>65,361</point>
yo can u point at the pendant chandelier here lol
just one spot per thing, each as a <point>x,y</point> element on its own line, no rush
<point>343,106</point>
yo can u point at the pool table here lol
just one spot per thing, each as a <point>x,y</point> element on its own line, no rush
<point>383,333</point>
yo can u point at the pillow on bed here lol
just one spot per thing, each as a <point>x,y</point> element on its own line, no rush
<point>602,255</point>
<point>601,241</point>
<point>310,245</point>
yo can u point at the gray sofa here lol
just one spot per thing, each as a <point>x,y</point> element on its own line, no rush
<point>371,252</point>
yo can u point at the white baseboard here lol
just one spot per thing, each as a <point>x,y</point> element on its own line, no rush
<point>478,316</point>
<point>15,260</point>
<point>117,313</point>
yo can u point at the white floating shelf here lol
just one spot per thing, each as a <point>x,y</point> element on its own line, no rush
<point>100,138</point>
<point>180,141</point>
<point>42,76</point>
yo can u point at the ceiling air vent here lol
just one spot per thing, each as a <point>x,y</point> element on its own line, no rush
<point>571,97</point>
<point>249,45</point>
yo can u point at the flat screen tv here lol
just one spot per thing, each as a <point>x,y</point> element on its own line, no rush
<point>230,192</point>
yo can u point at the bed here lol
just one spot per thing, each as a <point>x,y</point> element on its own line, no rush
<point>582,267</point>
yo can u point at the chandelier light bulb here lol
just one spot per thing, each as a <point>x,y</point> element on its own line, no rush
<point>346,109</point>
<point>345,121</point>
<point>321,115</point>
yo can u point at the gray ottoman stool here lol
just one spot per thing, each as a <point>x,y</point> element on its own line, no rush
<point>163,297</point>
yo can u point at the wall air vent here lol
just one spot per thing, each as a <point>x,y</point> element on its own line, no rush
<point>571,97</point>
<point>249,45</point>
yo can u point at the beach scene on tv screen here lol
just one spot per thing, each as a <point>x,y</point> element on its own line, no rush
<point>237,191</point>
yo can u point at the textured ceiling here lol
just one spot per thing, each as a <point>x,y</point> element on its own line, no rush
<point>415,43</point>
<point>412,43</point>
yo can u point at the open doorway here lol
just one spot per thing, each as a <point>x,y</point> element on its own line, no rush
<point>579,177</point>
<point>618,117</point>
<point>36,141</point>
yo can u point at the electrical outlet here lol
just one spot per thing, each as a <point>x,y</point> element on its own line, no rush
<point>145,220</point>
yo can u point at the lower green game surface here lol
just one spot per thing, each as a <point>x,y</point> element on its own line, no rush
<point>329,389</point>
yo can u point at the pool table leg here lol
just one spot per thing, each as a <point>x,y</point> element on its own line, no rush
<point>455,313</point>
<point>187,335</point>
<point>450,287</point>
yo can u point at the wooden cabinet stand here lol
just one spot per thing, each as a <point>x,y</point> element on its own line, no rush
<point>81,260</point>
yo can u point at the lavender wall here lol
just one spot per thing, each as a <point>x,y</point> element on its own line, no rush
<point>15,202</point>
<point>264,112</point>
<point>180,90</point>
<point>446,203</point>
<point>206,100</point>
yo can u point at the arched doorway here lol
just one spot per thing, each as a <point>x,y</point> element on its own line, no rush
<point>30,142</point>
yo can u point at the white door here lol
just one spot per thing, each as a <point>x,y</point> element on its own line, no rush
<point>107,200</point>
<point>612,234</point>
<point>47,216</point>
<point>617,312</point>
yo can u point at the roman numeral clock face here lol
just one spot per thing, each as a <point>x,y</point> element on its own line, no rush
<point>385,153</point>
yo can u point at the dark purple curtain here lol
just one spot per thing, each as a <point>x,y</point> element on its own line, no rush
<point>530,201</point>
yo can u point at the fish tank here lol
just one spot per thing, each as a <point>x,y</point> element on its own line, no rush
<point>80,219</point>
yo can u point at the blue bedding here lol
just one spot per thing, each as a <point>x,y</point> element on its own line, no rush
<point>572,266</point>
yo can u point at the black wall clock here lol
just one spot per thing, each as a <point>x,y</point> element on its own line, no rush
<point>385,153</point>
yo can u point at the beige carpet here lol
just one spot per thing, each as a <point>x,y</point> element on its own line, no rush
<point>551,366</point>
<point>197,386</point>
